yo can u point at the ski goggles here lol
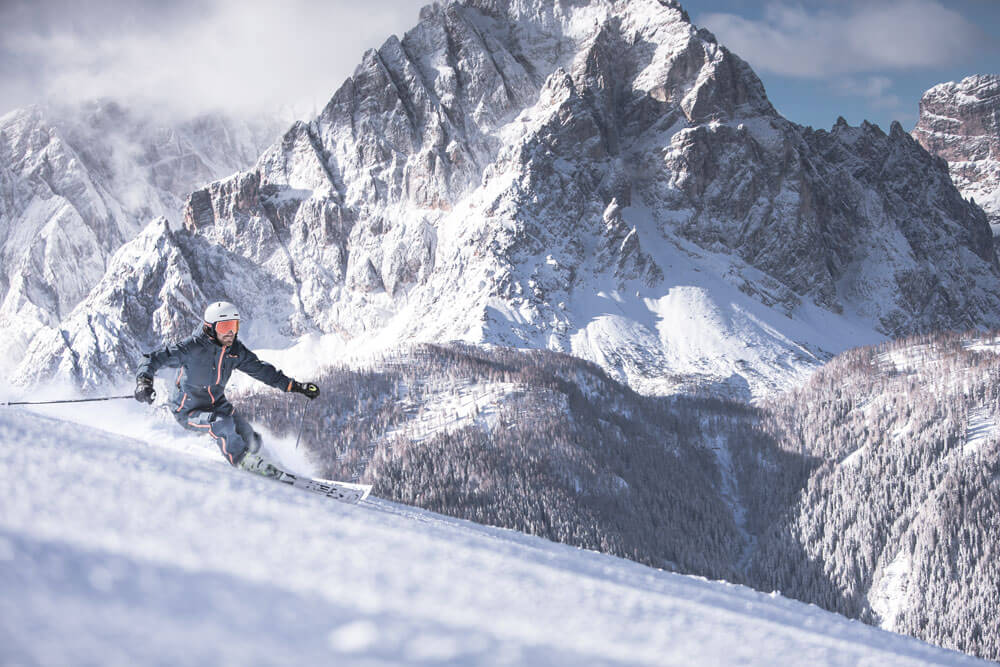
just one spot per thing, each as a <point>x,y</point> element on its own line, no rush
<point>227,326</point>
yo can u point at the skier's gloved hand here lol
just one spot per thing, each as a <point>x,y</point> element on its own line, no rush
<point>144,392</point>
<point>308,389</point>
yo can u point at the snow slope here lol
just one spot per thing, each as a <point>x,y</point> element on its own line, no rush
<point>117,550</point>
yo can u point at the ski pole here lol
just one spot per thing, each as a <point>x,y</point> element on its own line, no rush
<point>301,424</point>
<point>73,400</point>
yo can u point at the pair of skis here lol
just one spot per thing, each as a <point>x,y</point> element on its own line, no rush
<point>345,492</point>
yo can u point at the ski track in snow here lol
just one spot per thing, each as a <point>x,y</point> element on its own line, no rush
<point>117,550</point>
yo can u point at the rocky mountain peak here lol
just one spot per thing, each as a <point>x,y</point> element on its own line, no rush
<point>968,109</point>
<point>600,178</point>
<point>960,122</point>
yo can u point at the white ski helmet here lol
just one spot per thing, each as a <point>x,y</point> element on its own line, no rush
<point>219,311</point>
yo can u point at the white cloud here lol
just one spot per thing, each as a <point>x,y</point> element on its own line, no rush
<point>238,55</point>
<point>873,88</point>
<point>795,40</point>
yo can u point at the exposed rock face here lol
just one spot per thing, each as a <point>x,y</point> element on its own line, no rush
<point>600,178</point>
<point>77,183</point>
<point>960,122</point>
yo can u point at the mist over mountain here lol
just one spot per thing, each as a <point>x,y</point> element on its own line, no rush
<point>78,182</point>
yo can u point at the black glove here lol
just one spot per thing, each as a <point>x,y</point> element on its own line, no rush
<point>144,392</point>
<point>308,389</point>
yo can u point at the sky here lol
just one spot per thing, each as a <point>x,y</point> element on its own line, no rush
<point>189,56</point>
<point>860,59</point>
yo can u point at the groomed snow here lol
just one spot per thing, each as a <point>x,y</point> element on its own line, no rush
<point>118,550</point>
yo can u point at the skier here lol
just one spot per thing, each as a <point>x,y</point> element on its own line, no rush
<point>198,400</point>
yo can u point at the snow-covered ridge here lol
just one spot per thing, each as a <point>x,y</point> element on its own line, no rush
<point>132,551</point>
<point>905,442</point>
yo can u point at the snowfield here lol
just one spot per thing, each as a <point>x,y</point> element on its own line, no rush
<point>120,550</point>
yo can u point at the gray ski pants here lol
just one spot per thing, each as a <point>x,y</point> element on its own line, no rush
<point>232,433</point>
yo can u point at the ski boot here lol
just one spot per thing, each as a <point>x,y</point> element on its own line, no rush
<point>258,465</point>
<point>255,442</point>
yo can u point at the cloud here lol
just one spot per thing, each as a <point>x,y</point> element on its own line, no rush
<point>240,55</point>
<point>875,89</point>
<point>855,37</point>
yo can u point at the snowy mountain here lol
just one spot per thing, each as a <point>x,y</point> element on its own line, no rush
<point>207,565</point>
<point>960,122</point>
<point>896,521</point>
<point>599,178</point>
<point>870,491</point>
<point>542,443</point>
<point>78,182</point>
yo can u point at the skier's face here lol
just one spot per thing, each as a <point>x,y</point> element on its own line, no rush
<point>226,331</point>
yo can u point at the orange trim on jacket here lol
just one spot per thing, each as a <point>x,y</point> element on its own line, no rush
<point>218,375</point>
<point>225,452</point>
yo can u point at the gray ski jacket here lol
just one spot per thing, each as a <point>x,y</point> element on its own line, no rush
<point>205,368</point>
